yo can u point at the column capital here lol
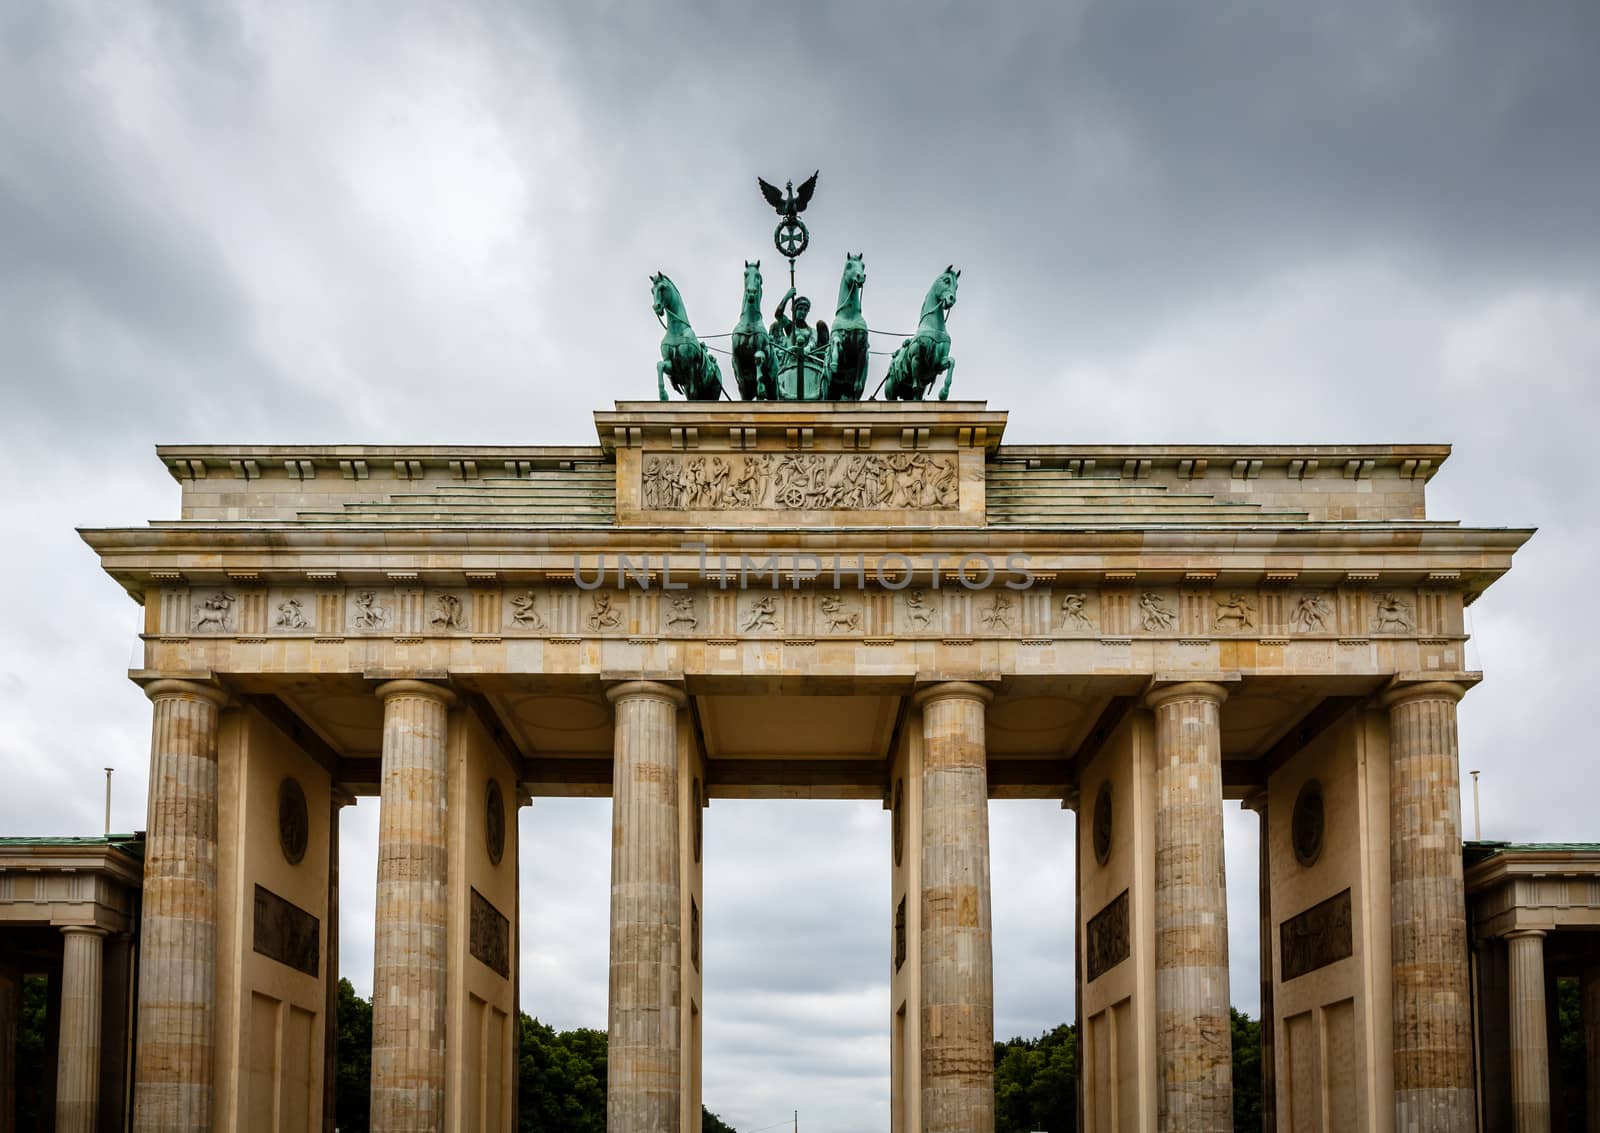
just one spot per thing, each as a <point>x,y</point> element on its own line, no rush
<point>1186,690</point>
<point>951,690</point>
<point>646,690</point>
<point>84,930</point>
<point>1408,691</point>
<point>170,688</point>
<point>427,690</point>
<point>1526,933</point>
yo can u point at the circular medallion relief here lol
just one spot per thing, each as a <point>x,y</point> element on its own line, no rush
<point>1306,823</point>
<point>1102,824</point>
<point>494,823</point>
<point>294,824</point>
<point>699,819</point>
<point>899,820</point>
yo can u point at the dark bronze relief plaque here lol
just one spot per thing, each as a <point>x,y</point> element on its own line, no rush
<point>1306,824</point>
<point>694,934</point>
<point>1317,937</point>
<point>898,820</point>
<point>1107,944</point>
<point>286,933</point>
<point>489,938</point>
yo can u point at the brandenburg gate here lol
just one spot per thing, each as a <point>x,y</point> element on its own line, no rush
<point>848,599</point>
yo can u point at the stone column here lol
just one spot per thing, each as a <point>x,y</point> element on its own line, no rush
<point>10,1015</point>
<point>1433,1086</point>
<point>339,799</point>
<point>644,1032</point>
<point>956,945</point>
<point>1589,994</point>
<point>176,1028</point>
<point>78,1060</point>
<point>1530,1041</point>
<point>1194,1055</point>
<point>409,985</point>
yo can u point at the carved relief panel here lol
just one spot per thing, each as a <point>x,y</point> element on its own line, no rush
<point>809,481</point>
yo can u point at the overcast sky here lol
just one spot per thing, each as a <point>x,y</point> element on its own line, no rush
<point>1196,222</point>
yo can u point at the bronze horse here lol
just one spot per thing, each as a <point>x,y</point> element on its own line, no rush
<point>923,356</point>
<point>684,358</point>
<point>755,366</point>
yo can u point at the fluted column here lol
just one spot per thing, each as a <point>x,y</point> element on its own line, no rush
<point>176,1053</point>
<point>10,1016</point>
<point>409,985</point>
<point>1433,1087</point>
<point>1530,1041</point>
<point>78,1061</point>
<point>956,942</point>
<point>643,1083</point>
<point>1194,1055</point>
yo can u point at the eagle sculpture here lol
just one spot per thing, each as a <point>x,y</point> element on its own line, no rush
<point>787,201</point>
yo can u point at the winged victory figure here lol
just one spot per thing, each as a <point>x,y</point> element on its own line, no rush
<point>788,201</point>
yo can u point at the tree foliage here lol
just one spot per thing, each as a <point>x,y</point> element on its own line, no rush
<point>1246,1071</point>
<point>1036,1083</point>
<point>353,1089</point>
<point>561,1079</point>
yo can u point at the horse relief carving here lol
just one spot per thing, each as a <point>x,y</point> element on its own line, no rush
<point>215,612</point>
<point>918,612</point>
<point>1237,612</point>
<point>836,618</point>
<point>1391,614</point>
<point>368,613</point>
<point>682,612</point>
<point>801,482</point>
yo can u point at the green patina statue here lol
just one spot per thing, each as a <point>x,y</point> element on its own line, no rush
<point>755,363</point>
<point>801,347</point>
<point>685,361</point>
<point>924,355</point>
<point>846,364</point>
<point>791,359</point>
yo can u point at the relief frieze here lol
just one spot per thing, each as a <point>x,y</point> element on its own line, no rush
<point>862,610</point>
<point>915,481</point>
<point>1320,936</point>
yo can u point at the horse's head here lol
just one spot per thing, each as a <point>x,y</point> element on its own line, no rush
<point>855,270</point>
<point>666,300</point>
<point>752,282</point>
<point>942,295</point>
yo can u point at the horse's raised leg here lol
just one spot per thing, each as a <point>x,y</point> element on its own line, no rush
<point>949,376</point>
<point>661,377</point>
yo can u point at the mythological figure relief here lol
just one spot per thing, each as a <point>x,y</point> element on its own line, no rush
<point>523,612</point>
<point>1392,614</point>
<point>368,613</point>
<point>1311,613</point>
<point>763,615</point>
<point>1074,614</point>
<point>291,615</point>
<point>603,615</point>
<point>682,612</point>
<point>215,612</point>
<point>997,615</point>
<point>1238,612</point>
<point>836,618</point>
<point>800,482</point>
<point>918,611</point>
<point>447,612</point>
<point>1154,613</point>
